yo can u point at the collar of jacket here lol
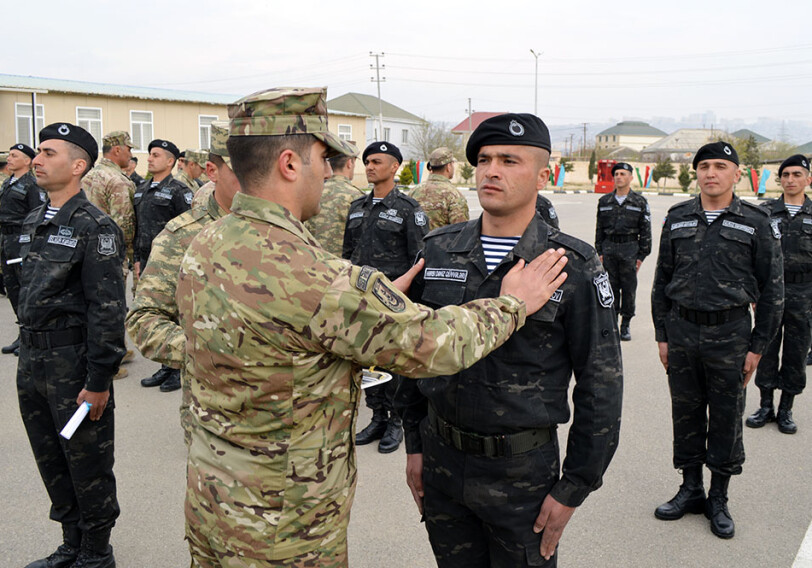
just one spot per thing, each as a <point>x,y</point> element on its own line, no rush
<point>735,206</point>
<point>108,163</point>
<point>264,211</point>
<point>65,212</point>
<point>388,201</point>
<point>532,243</point>
<point>779,205</point>
<point>213,208</point>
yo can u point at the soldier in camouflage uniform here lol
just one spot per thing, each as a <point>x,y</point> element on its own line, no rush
<point>437,196</point>
<point>482,449</point>
<point>329,223</point>
<point>4,173</point>
<point>276,330</point>
<point>72,340</point>
<point>153,319</point>
<point>718,254</point>
<point>19,195</point>
<point>190,167</point>
<point>623,241</point>
<point>791,215</point>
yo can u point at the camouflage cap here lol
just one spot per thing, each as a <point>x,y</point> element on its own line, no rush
<point>118,138</point>
<point>3,157</point>
<point>219,138</point>
<point>199,157</point>
<point>283,111</point>
<point>440,157</point>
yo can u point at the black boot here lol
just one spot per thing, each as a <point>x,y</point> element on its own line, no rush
<point>96,551</point>
<point>392,437</point>
<point>625,334</point>
<point>785,422</point>
<point>157,378</point>
<point>15,345</point>
<point>65,555</point>
<point>375,430</point>
<point>765,413</point>
<point>172,382</point>
<point>721,523</point>
<point>689,499</point>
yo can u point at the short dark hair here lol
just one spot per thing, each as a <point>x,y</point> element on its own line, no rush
<point>106,149</point>
<point>77,153</point>
<point>339,162</point>
<point>253,157</point>
<point>133,159</point>
<point>216,159</point>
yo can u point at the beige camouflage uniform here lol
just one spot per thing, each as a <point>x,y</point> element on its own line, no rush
<point>442,202</point>
<point>202,195</point>
<point>328,226</point>
<point>276,329</point>
<point>186,180</point>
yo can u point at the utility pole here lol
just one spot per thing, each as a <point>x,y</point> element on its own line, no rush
<point>583,148</point>
<point>571,137</point>
<point>470,123</point>
<point>379,80</point>
<point>536,104</point>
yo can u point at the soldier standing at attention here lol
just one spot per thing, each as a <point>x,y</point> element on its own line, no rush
<point>437,196</point>
<point>72,341</point>
<point>4,173</point>
<point>545,208</point>
<point>623,241</point>
<point>157,201</point>
<point>19,195</point>
<point>339,193</point>
<point>275,382</point>
<point>190,166</point>
<point>791,216</point>
<point>385,230</point>
<point>131,173</point>
<point>481,443</point>
<point>718,254</point>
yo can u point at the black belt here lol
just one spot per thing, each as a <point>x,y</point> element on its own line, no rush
<point>10,230</point>
<point>51,339</point>
<point>797,277</point>
<point>713,318</point>
<point>501,445</point>
<point>622,238</point>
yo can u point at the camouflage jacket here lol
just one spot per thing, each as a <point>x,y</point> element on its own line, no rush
<point>545,208</point>
<point>276,328</point>
<point>187,180</point>
<point>153,318</point>
<point>442,202</point>
<point>109,189</point>
<point>524,384</point>
<point>71,278</point>
<point>632,220</point>
<point>387,235</point>
<point>18,199</point>
<point>796,238</point>
<point>154,207</point>
<point>328,226</point>
<point>735,261</point>
<point>202,195</point>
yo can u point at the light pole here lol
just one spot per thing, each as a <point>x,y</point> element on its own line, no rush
<point>536,105</point>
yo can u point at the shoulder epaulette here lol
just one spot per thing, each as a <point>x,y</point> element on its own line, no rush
<point>755,207</point>
<point>455,228</point>
<point>410,200</point>
<point>186,218</point>
<point>680,204</point>
<point>582,248</point>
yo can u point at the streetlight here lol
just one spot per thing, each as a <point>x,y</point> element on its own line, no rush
<point>536,105</point>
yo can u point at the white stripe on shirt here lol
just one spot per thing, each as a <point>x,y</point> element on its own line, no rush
<point>496,248</point>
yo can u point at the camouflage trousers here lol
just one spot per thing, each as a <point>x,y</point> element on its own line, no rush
<point>480,511</point>
<point>622,272</point>
<point>707,397</point>
<point>797,335</point>
<point>78,473</point>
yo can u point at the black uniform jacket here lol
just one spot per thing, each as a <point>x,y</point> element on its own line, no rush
<point>18,199</point>
<point>154,207</point>
<point>524,384</point>
<point>733,262</point>
<point>796,235</point>
<point>632,219</point>
<point>545,208</point>
<point>72,278</point>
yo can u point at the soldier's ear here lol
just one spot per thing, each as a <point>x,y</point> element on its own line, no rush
<point>212,172</point>
<point>288,164</point>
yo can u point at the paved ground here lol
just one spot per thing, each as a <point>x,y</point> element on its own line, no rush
<point>771,502</point>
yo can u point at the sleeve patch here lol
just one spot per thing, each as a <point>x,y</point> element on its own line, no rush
<point>107,245</point>
<point>604,289</point>
<point>363,278</point>
<point>388,297</point>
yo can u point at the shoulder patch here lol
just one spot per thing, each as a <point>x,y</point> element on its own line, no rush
<point>775,224</point>
<point>388,297</point>
<point>107,244</point>
<point>583,249</point>
<point>189,196</point>
<point>605,295</point>
<point>420,218</point>
<point>363,278</point>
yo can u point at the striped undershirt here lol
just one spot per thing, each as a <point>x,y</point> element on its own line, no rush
<point>793,209</point>
<point>496,248</point>
<point>711,216</point>
<point>50,212</point>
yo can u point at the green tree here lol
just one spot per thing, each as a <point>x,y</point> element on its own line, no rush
<point>466,172</point>
<point>567,164</point>
<point>663,170</point>
<point>684,177</point>
<point>751,155</point>
<point>593,165</point>
<point>406,177</point>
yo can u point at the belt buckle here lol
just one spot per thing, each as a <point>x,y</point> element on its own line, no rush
<point>471,444</point>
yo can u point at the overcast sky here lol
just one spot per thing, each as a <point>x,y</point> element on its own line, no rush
<point>599,61</point>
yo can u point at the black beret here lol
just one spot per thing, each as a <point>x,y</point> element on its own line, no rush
<point>383,148</point>
<point>621,166</point>
<point>506,130</point>
<point>73,134</point>
<point>164,145</point>
<point>796,160</point>
<point>25,149</point>
<point>716,151</point>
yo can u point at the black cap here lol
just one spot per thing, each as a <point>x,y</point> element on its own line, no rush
<point>383,148</point>
<point>796,160</point>
<point>73,134</point>
<point>716,151</point>
<point>164,145</point>
<point>622,166</point>
<point>25,149</point>
<point>521,129</point>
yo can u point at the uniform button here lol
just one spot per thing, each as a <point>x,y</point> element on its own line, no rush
<point>605,333</point>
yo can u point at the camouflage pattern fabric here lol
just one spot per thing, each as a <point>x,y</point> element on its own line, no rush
<point>328,226</point>
<point>186,180</point>
<point>3,177</point>
<point>202,195</point>
<point>109,189</point>
<point>274,344</point>
<point>155,206</point>
<point>442,201</point>
<point>118,138</point>
<point>199,157</point>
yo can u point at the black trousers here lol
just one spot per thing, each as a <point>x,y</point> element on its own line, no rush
<point>78,473</point>
<point>381,397</point>
<point>622,272</point>
<point>11,272</point>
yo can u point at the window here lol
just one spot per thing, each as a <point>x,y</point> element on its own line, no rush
<point>404,136</point>
<point>141,129</point>
<point>204,122</point>
<point>91,120</point>
<point>386,134</point>
<point>22,114</point>
<point>345,131</point>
